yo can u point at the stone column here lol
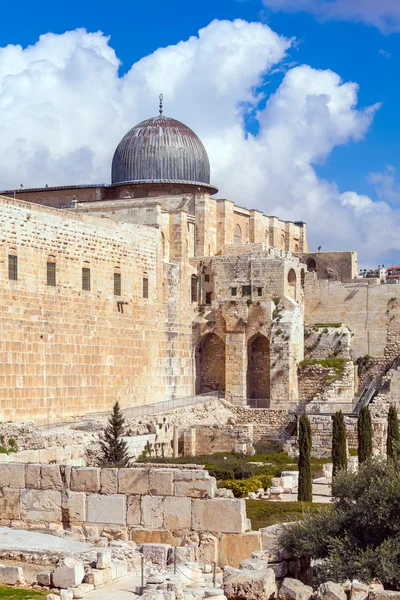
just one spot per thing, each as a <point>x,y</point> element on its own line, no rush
<point>236,367</point>
<point>176,441</point>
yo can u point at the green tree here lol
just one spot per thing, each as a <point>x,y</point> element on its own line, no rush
<point>339,447</point>
<point>393,436</point>
<point>358,535</point>
<point>364,431</point>
<point>304,493</point>
<point>114,449</point>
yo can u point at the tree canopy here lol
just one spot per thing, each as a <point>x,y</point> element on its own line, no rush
<point>114,448</point>
<point>364,433</point>
<point>304,493</point>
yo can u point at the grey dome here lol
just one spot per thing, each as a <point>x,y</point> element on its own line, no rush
<point>162,150</point>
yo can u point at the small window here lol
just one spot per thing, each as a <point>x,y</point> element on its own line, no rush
<point>233,291</point>
<point>259,291</point>
<point>208,297</point>
<point>246,290</point>
<point>51,274</point>
<point>206,277</point>
<point>12,267</point>
<point>194,282</point>
<point>145,287</point>
<point>86,279</point>
<point>117,284</point>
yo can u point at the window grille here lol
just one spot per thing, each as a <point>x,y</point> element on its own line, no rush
<point>194,284</point>
<point>207,277</point>
<point>13,267</point>
<point>259,291</point>
<point>145,287</point>
<point>51,274</point>
<point>208,297</point>
<point>246,290</point>
<point>117,284</point>
<point>234,291</point>
<point>86,279</point>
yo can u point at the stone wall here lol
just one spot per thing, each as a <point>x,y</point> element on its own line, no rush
<point>207,439</point>
<point>322,341</point>
<point>335,266</point>
<point>327,384</point>
<point>265,421</point>
<point>135,503</point>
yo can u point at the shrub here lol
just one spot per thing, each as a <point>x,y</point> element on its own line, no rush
<point>242,487</point>
<point>392,432</point>
<point>305,444</point>
<point>264,514</point>
<point>364,433</point>
<point>114,448</point>
<point>339,448</point>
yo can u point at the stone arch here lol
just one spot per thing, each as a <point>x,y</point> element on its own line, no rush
<point>296,248</point>
<point>258,367</point>
<point>141,193</point>
<point>311,265</point>
<point>292,278</point>
<point>210,364</point>
<point>237,235</point>
<point>283,241</point>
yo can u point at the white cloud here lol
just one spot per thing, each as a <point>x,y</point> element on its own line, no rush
<point>64,108</point>
<point>384,14</point>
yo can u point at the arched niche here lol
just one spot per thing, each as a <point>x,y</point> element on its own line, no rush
<point>258,367</point>
<point>210,364</point>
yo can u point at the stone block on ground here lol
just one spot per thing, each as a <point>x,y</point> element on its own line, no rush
<point>269,543</point>
<point>182,554</point>
<point>69,573</point>
<point>219,515</point>
<point>66,595</point>
<point>161,483</point>
<point>52,597</point>
<point>196,488</point>
<point>11,575</point>
<point>330,591</point>
<point>154,536</point>
<point>106,509</point>
<point>208,549</point>
<point>280,569</point>
<point>103,559</point>
<point>177,513</point>
<point>133,481</point>
<point>95,577</point>
<point>156,554</point>
<point>41,505</point>
<point>359,591</point>
<point>249,585</point>
<point>152,511</point>
<point>119,568</point>
<point>293,589</point>
<point>85,479</point>
<point>234,548</point>
<point>44,578</point>
<point>384,595</point>
<point>82,589</point>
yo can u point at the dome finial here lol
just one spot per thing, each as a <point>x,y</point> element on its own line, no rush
<point>161,105</point>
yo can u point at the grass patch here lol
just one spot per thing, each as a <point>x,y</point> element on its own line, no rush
<point>263,513</point>
<point>337,364</point>
<point>8,593</point>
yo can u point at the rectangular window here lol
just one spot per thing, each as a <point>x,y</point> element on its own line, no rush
<point>12,267</point>
<point>51,274</point>
<point>86,279</point>
<point>117,284</point>
<point>145,287</point>
<point>233,291</point>
<point>259,291</point>
<point>246,290</point>
<point>207,277</point>
<point>194,289</point>
<point>208,297</point>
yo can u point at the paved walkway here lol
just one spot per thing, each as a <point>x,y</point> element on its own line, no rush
<point>121,590</point>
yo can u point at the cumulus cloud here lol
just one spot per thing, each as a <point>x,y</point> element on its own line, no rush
<point>65,106</point>
<point>384,14</point>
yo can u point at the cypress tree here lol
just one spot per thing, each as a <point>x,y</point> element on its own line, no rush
<point>393,436</point>
<point>339,438</point>
<point>364,431</point>
<point>304,493</point>
<point>114,448</point>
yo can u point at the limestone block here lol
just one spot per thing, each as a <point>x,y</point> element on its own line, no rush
<point>133,512</point>
<point>32,476</point>
<point>359,591</point>
<point>384,595</point>
<point>41,505</point>
<point>184,554</point>
<point>156,554</point>
<point>77,506</point>
<point>115,532</point>
<point>44,578</point>
<point>154,536</point>
<point>85,479</point>
<point>293,589</point>
<point>66,595</point>
<point>109,481</point>
<point>177,513</point>
<point>279,568</point>
<point>254,564</point>
<point>252,585</point>
<point>196,488</point>
<point>208,549</point>
<point>190,474</point>
<point>12,475</point>
<point>233,548</point>
<point>161,483</point>
<point>331,591</point>
<point>269,542</point>
<point>50,477</point>
<point>69,573</point>
<point>52,597</point>
<point>133,481</point>
<point>106,509</point>
<point>11,575</point>
<point>152,511</point>
<point>10,504</point>
<point>120,568</point>
<point>221,515</point>
<point>103,559</point>
<point>82,589</point>
<point>95,577</point>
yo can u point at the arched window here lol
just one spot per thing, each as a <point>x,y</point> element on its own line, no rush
<point>267,235</point>
<point>283,241</point>
<point>194,287</point>
<point>311,265</point>
<point>292,277</point>
<point>51,270</point>
<point>237,235</point>
<point>296,248</point>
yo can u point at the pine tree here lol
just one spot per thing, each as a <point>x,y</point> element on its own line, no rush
<point>114,448</point>
<point>304,493</point>
<point>339,439</point>
<point>364,430</point>
<point>393,436</point>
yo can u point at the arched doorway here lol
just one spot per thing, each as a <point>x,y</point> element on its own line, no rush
<point>258,367</point>
<point>210,365</point>
<point>311,265</point>
<point>237,235</point>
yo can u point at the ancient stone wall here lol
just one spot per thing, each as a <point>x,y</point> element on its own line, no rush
<point>335,266</point>
<point>67,351</point>
<point>327,384</point>
<point>323,341</point>
<point>265,421</point>
<point>207,439</point>
<point>141,503</point>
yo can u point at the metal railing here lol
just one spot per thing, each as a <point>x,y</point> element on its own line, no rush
<point>258,402</point>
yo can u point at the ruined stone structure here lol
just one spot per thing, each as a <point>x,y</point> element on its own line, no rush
<point>150,288</point>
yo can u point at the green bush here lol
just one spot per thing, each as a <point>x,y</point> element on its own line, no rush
<point>263,514</point>
<point>242,487</point>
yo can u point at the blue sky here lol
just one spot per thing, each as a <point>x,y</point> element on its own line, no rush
<point>357,52</point>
